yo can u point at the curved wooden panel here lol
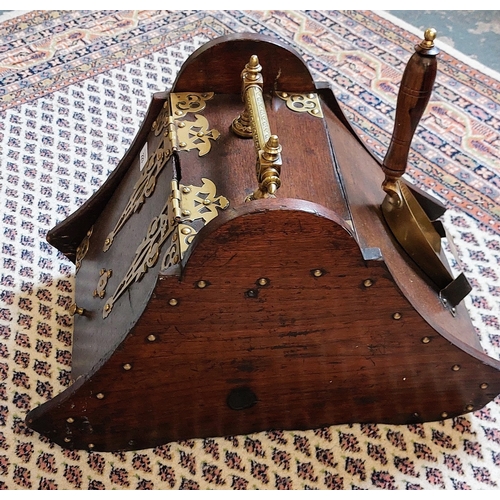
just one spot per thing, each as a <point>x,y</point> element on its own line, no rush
<point>286,327</point>
<point>217,65</point>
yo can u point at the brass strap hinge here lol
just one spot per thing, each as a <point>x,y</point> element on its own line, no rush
<point>175,199</point>
<point>178,134</point>
<point>185,205</point>
<point>172,133</point>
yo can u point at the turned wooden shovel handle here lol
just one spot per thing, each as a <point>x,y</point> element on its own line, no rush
<point>414,93</point>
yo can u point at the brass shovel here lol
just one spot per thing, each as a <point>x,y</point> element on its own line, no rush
<point>416,233</point>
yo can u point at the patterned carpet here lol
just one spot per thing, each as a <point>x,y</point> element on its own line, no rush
<point>74,88</point>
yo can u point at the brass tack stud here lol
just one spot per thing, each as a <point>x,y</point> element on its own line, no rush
<point>426,340</point>
<point>317,273</point>
<point>444,415</point>
<point>127,366</point>
<point>367,283</point>
<point>396,315</point>
<point>186,230</point>
<point>70,420</point>
<point>173,302</point>
<point>151,338</point>
<point>455,368</point>
<point>182,144</point>
<point>91,446</point>
<point>185,213</point>
<point>74,309</point>
<point>186,189</point>
<point>262,281</point>
<point>202,284</point>
<point>182,124</point>
<point>484,386</point>
<point>67,439</point>
<point>469,407</point>
<point>99,395</point>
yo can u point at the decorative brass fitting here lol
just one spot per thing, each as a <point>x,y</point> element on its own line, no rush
<point>104,276</point>
<point>302,103</point>
<point>426,47</point>
<point>253,122</point>
<point>429,37</point>
<point>74,309</point>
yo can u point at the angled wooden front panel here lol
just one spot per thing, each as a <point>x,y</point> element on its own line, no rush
<point>94,337</point>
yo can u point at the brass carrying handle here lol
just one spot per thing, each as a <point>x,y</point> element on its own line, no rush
<point>253,122</point>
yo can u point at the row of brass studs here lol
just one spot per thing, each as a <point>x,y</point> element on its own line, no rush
<point>201,284</point>
<point>369,283</point>
<point>151,338</point>
<point>425,340</point>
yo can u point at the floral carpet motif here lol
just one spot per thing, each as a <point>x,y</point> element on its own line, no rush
<point>74,88</point>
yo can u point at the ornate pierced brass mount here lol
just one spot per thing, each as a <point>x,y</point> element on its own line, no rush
<point>185,205</point>
<point>253,122</point>
<point>179,134</point>
<point>82,249</point>
<point>302,103</point>
<point>104,275</point>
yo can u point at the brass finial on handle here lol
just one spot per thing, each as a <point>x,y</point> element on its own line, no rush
<point>426,46</point>
<point>269,177</point>
<point>429,37</point>
<point>253,122</point>
<point>252,69</point>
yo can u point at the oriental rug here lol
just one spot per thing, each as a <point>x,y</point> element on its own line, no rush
<point>74,87</point>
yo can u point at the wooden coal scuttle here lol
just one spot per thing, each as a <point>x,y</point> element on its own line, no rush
<point>250,265</point>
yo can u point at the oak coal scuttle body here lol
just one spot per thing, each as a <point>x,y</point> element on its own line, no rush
<point>237,273</point>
